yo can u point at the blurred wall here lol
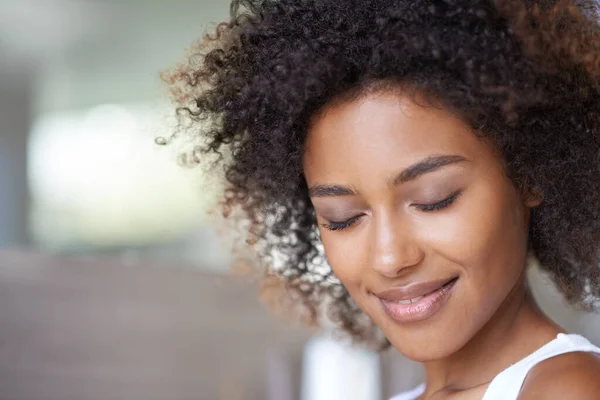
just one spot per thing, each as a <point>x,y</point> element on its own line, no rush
<point>95,328</point>
<point>16,99</point>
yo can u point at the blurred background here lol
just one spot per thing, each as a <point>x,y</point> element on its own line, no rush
<point>114,282</point>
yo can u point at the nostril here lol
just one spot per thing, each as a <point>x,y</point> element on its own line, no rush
<point>393,263</point>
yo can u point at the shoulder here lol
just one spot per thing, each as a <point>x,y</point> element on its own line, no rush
<point>568,376</point>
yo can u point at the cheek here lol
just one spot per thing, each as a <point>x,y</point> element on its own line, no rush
<point>486,237</point>
<point>346,258</point>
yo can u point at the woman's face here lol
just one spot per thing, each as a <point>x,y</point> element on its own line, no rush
<point>418,219</point>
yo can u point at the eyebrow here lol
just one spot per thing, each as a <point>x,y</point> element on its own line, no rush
<point>429,164</point>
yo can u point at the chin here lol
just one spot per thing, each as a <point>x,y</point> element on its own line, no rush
<point>424,355</point>
<point>419,346</point>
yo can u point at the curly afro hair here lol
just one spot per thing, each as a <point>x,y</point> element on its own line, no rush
<point>525,74</point>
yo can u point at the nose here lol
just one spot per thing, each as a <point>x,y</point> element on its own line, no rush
<point>393,247</point>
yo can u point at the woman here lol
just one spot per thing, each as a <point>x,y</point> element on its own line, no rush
<point>429,148</point>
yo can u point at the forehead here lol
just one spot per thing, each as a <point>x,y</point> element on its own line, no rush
<point>384,131</point>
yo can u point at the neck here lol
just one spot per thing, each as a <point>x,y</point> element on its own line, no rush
<point>517,329</point>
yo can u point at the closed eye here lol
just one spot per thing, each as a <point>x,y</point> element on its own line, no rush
<point>440,204</point>
<point>336,226</point>
<point>339,225</point>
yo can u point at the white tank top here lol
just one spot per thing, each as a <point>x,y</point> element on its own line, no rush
<point>507,384</point>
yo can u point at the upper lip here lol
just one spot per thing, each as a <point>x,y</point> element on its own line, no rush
<point>413,290</point>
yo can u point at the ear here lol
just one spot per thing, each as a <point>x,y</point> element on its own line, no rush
<point>533,197</point>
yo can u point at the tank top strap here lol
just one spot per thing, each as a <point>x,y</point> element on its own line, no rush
<point>507,384</point>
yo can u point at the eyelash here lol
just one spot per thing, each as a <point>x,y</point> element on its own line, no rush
<point>336,226</point>
<point>439,205</point>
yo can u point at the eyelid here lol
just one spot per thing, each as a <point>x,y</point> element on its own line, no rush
<point>447,201</point>
<point>339,225</point>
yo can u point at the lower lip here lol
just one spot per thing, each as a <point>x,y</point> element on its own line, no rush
<point>421,310</point>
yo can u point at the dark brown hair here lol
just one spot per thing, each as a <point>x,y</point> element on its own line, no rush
<point>524,74</point>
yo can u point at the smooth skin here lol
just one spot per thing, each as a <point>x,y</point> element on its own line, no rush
<point>408,193</point>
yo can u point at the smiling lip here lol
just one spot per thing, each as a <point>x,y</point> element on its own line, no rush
<point>416,302</point>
